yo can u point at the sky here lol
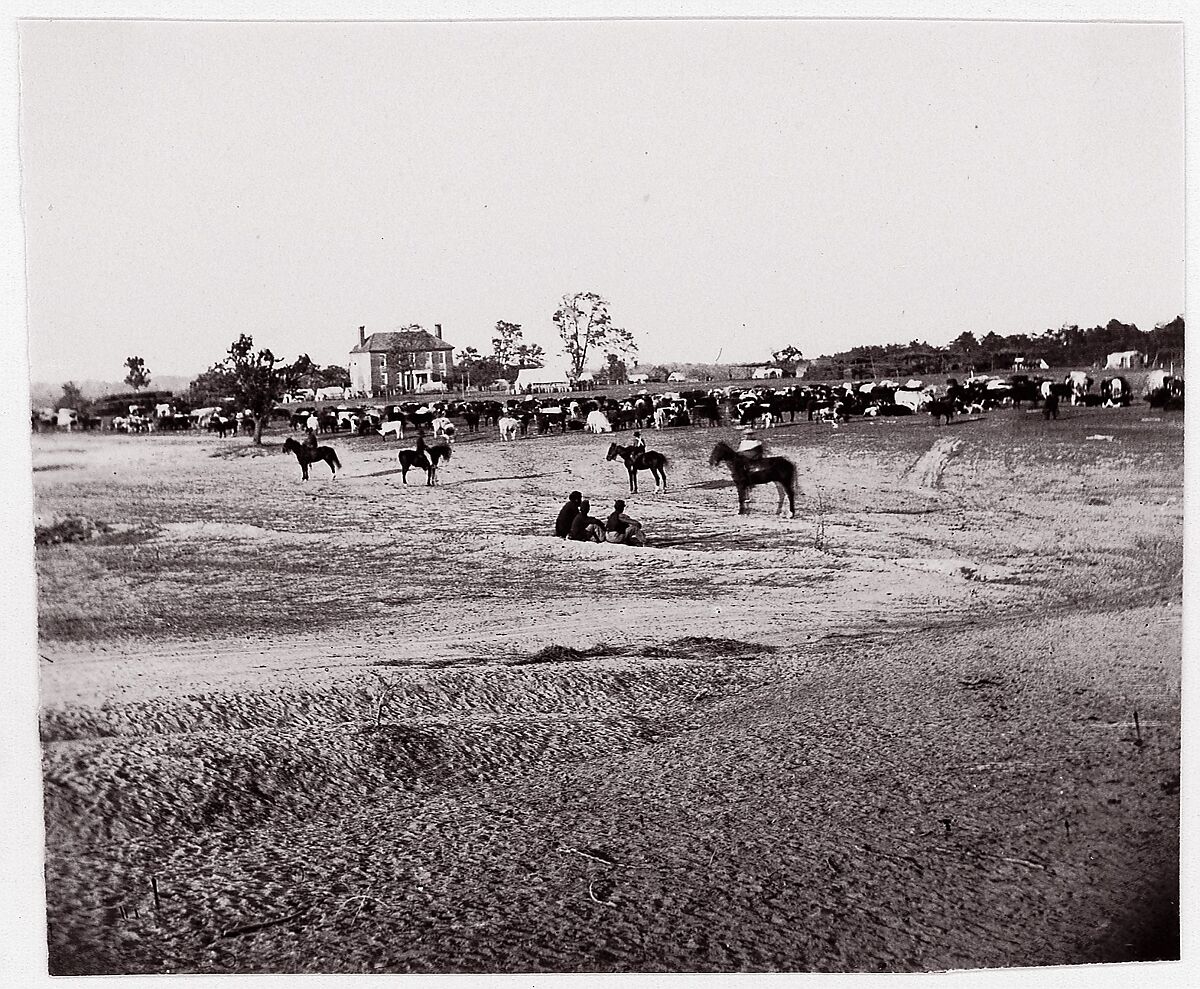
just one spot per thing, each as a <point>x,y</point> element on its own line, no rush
<point>730,187</point>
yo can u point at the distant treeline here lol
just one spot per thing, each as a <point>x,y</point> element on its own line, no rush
<point>1068,346</point>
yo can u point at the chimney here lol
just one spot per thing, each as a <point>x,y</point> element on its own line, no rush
<point>437,330</point>
<point>362,336</point>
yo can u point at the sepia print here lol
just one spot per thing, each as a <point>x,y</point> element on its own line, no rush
<point>606,496</point>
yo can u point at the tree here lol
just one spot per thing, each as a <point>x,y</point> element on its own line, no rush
<point>72,398</point>
<point>614,371</point>
<point>530,355</point>
<point>474,367</point>
<point>506,342</point>
<point>399,362</point>
<point>214,387</point>
<point>332,376</point>
<point>585,326</point>
<point>259,379</point>
<point>139,375</point>
<point>788,359</point>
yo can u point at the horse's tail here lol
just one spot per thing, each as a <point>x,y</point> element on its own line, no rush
<point>334,457</point>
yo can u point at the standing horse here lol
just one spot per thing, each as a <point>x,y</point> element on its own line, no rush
<point>425,457</point>
<point>307,455</point>
<point>636,460</point>
<point>748,473</point>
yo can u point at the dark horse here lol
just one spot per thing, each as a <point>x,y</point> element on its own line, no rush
<point>636,460</point>
<point>748,473</point>
<point>425,457</point>
<point>307,455</point>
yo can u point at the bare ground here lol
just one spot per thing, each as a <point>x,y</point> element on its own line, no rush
<point>407,731</point>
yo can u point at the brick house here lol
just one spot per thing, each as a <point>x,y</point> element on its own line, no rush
<point>398,362</point>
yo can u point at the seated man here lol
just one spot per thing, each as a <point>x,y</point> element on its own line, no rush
<point>620,528</point>
<point>584,528</point>
<point>566,515</point>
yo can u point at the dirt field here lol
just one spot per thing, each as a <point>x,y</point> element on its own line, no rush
<point>353,726</point>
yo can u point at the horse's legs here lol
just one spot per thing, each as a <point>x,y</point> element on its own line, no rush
<point>785,489</point>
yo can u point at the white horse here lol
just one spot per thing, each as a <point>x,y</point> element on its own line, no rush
<point>508,427</point>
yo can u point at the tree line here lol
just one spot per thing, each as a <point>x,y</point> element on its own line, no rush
<point>1067,346</point>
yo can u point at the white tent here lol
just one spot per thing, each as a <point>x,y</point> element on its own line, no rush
<point>1123,359</point>
<point>547,378</point>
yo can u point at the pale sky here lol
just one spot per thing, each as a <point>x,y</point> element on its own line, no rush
<point>731,187</point>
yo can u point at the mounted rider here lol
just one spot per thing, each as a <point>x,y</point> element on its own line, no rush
<point>310,438</point>
<point>751,447</point>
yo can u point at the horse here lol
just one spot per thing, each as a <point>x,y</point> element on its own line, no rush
<point>635,460</point>
<point>748,473</point>
<point>425,457</point>
<point>508,428</point>
<point>307,455</point>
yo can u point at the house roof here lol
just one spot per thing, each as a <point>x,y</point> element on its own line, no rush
<point>414,340</point>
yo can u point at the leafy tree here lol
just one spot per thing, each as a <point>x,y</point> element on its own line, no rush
<point>1165,341</point>
<point>506,342</point>
<point>214,387</point>
<point>965,344</point>
<point>139,375</point>
<point>788,359</point>
<point>585,326</point>
<point>474,368</point>
<point>530,355</point>
<point>399,362</point>
<point>334,376</point>
<point>72,398</point>
<point>614,371</point>
<point>259,379</point>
